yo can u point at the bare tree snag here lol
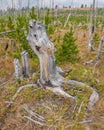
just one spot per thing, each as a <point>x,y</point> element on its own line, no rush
<point>25,62</point>
<point>50,78</point>
<point>18,69</point>
<point>92,27</point>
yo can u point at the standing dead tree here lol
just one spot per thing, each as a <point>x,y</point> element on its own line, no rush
<point>50,78</point>
<point>92,27</point>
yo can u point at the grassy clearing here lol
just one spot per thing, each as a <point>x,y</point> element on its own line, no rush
<point>59,113</point>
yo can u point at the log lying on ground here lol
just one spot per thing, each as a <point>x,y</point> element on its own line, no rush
<point>50,78</point>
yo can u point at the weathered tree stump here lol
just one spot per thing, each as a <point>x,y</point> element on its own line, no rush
<point>25,63</point>
<point>18,69</point>
<point>44,49</point>
<point>50,77</point>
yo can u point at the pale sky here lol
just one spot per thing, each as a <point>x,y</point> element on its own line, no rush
<point>75,3</point>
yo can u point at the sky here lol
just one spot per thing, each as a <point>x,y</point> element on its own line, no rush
<point>75,3</point>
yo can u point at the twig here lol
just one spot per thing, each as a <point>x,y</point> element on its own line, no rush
<point>85,121</point>
<point>4,83</point>
<point>10,31</point>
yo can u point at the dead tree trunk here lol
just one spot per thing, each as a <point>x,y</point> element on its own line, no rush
<point>18,69</point>
<point>44,49</point>
<point>92,27</point>
<point>25,63</point>
<point>49,74</point>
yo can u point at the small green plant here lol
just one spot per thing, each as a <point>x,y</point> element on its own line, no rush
<point>33,14</point>
<point>96,39</point>
<point>68,52</point>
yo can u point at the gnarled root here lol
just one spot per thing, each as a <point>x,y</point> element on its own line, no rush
<point>94,96</point>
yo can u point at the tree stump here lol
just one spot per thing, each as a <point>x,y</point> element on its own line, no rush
<point>50,77</point>
<point>44,49</point>
<point>25,63</point>
<point>18,69</point>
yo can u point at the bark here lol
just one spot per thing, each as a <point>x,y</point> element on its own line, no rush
<point>50,77</point>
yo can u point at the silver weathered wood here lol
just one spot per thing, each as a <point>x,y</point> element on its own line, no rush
<point>25,63</point>
<point>44,49</point>
<point>18,69</point>
<point>92,27</point>
<point>50,77</point>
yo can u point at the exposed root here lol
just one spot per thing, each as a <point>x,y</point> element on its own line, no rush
<point>59,91</point>
<point>20,89</point>
<point>94,96</point>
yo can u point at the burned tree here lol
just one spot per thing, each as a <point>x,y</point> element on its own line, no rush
<point>50,78</point>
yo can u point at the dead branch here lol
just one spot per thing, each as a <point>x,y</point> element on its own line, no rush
<point>37,116</point>
<point>20,89</point>
<point>36,122</point>
<point>10,31</point>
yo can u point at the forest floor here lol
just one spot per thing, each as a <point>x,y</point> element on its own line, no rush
<point>37,109</point>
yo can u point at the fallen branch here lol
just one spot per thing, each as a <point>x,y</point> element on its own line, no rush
<point>85,121</point>
<point>4,83</point>
<point>21,88</point>
<point>36,122</point>
<point>34,114</point>
<point>10,31</point>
